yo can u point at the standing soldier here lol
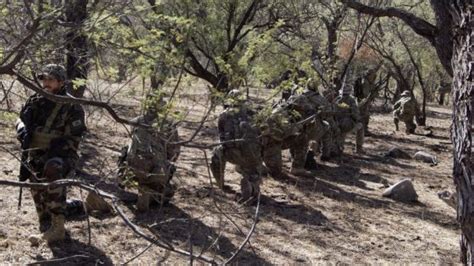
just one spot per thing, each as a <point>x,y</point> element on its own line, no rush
<point>366,91</point>
<point>151,154</point>
<point>240,146</point>
<point>347,117</point>
<point>405,110</point>
<point>320,135</point>
<point>50,133</point>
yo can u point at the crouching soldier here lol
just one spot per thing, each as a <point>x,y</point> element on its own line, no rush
<point>288,126</point>
<point>50,133</point>
<point>150,155</point>
<point>241,147</point>
<point>405,110</point>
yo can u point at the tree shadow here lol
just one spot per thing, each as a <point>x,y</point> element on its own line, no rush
<point>174,226</point>
<point>394,140</point>
<point>347,175</point>
<point>438,115</point>
<point>334,192</point>
<point>74,252</point>
<point>378,162</point>
<point>297,213</point>
<point>434,217</point>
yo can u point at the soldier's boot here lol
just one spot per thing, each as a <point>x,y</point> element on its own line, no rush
<point>360,134</point>
<point>143,202</point>
<point>395,121</point>
<point>410,128</point>
<point>56,231</point>
<point>275,167</point>
<point>245,189</point>
<point>310,162</point>
<point>168,193</point>
<point>249,190</point>
<point>74,208</point>
<point>218,167</point>
<point>44,221</point>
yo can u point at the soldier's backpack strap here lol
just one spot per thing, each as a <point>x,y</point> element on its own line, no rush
<point>52,117</point>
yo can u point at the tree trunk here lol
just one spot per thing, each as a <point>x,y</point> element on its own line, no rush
<point>463,63</point>
<point>77,64</point>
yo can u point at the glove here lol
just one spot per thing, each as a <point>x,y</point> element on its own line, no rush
<point>20,131</point>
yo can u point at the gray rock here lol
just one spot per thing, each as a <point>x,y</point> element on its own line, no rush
<point>402,191</point>
<point>448,197</point>
<point>397,153</point>
<point>426,158</point>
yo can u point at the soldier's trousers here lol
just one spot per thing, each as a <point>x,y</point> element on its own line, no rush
<point>248,160</point>
<point>272,150</point>
<point>347,126</point>
<point>50,200</point>
<point>321,139</point>
<point>408,120</point>
<point>153,176</point>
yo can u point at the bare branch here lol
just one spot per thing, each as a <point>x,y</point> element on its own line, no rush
<point>419,25</point>
<point>69,99</point>
<point>249,235</point>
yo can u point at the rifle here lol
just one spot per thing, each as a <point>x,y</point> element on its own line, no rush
<point>24,174</point>
<point>25,135</point>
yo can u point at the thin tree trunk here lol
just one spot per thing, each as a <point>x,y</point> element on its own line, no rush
<point>463,63</point>
<point>77,64</point>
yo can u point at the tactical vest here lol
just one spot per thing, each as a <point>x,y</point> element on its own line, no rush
<point>42,136</point>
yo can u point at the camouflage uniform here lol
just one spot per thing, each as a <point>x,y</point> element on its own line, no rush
<point>235,123</point>
<point>150,158</point>
<point>347,118</point>
<point>365,96</point>
<point>321,135</point>
<point>51,133</point>
<point>285,128</point>
<point>405,110</point>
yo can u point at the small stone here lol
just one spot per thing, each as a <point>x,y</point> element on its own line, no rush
<point>402,191</point>
<point>397,153</point>
<point>449,198</point>
<point>3,233</point>
<point>426,158</point>
<point>5,243</point>
<point>34,240</point>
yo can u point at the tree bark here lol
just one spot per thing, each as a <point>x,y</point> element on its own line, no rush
<point>77,62</point>
<point>463,63</point>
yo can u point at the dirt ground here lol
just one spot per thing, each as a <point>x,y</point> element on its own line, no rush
<point>338,216</point>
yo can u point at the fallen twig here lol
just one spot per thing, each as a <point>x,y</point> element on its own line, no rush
<point>52,261</point>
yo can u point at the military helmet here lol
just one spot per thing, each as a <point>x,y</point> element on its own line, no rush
<point>235,94</point>
<point>406,93</point>
<point>234,97</point>
<point>55,71</point>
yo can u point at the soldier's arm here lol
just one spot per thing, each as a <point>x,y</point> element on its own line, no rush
<point>26,126</point>
<point>355,110</point>
<point>221,126</point>
<point>75,127</point>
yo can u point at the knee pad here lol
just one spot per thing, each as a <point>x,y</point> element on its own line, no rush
<point>54,169</point>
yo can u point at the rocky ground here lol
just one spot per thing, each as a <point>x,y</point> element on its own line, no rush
<point>336,216</point>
